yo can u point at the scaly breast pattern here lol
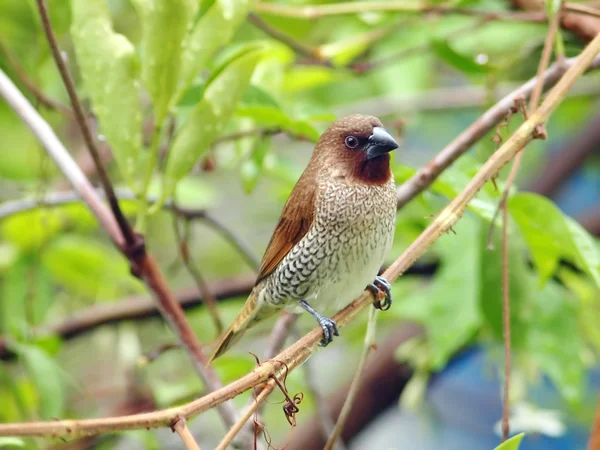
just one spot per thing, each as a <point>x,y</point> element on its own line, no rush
<point>351,234</point>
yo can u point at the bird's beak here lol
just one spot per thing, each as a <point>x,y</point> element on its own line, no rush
<point>380,143</point>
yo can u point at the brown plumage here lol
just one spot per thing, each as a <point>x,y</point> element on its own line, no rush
<point>333,233</point>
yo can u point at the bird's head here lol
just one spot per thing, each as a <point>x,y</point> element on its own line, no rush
<point>356,148</point>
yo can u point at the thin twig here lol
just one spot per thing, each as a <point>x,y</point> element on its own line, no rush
<point>326,423</point>
<point>581,9</point>
<point>262,132</point>
<point>188,261</point>
<point>297,353</point>
<point>335,9</point>
<point>356,380</point>
<point>180,426</point>
<point>505,327</point>
<point>533,101</point>
<point>136,307</point>
<point>297,46</point>
<point>594,442</point>
<point>90,142</point>
<point>30,84</point>
<point>246,415</point>
<point>55,199</point>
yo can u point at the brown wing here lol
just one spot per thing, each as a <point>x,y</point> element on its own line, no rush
<point>294,223</point>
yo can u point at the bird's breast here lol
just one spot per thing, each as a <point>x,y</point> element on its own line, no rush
<point>351,234</point>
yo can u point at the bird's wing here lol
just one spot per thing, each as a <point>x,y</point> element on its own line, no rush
<point>295,221</point>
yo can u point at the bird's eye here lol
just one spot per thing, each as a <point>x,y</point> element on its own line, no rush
<point>351,142</point>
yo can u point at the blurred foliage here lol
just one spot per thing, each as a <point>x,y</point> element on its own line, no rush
<point>171,84</point>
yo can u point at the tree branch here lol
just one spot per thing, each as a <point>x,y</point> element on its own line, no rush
<point>30,84</point>
<point>180,427</point>
<point>297,353</point>
<point>134,308</point>
<point>356,381</point>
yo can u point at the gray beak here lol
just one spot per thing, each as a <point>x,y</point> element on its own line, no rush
<point>380,143</point>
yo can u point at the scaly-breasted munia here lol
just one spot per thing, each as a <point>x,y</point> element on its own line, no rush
<point>333,234</point>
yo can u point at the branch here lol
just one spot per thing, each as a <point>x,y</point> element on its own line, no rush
<point>478,129</point>
<point>506,331</point>
<point>62,198</point>
<point>356,381</point>
<point>579,19</point>
<point>134,308</point>
<point>335,9</point>
<point>297,353</point>
<point>30,84</point>
<point>594,443</point>
<point>184,251</point>
<point>383,381</point>
<point>180,427</point>
<point>90,142</point>
<point>297,46</point>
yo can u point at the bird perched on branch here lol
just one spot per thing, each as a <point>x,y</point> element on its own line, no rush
<point>333,234</point>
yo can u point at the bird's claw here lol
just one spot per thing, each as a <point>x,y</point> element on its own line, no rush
<point>381,285</point>
<point>329,330</point>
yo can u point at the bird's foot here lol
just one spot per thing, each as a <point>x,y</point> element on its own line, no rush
<point>328,325</point>
<point>329,330</point>
<point>378,287</point>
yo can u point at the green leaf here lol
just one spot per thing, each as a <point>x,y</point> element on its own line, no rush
<point>272,116</point>
<point>551,236</point>
<point>164,24</point>
<point>462,62</point>
<point>511,444</point>
<point>6,442</point>
<point>453,295</point>
<point>553,340</point>
<point>587,252</point>
<point>214,29</point>
<point>210,116</point>
<point>89,268</point>
<point>46,375</point>
<point>110,72</point>
<point>29,230</point>
<point>252,168</point>
<point>13,299</point>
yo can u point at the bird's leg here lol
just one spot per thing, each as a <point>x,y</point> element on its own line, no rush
<point>381,285</point>
<point>329,326</point>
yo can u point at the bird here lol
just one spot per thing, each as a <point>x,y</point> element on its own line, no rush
<point>334,232</point>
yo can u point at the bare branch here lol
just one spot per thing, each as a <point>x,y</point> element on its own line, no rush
<point>180,426</point>
<point>134,308</point>
<point>30,84</point>
<point>194,271</point>
<point>90,142</point>
<point>335,9</point>
<point>356,381</point>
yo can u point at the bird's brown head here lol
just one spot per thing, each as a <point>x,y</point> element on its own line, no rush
<point>356,148</point>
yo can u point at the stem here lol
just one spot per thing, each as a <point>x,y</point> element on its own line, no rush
<point>83,125</point>
<point>368,345</point>
<point>184,433</point>
<point>533,101</point>
<point>151,164</point>
<point>251,409</point>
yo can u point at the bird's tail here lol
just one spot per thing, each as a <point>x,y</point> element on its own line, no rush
<point>244,320</point>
